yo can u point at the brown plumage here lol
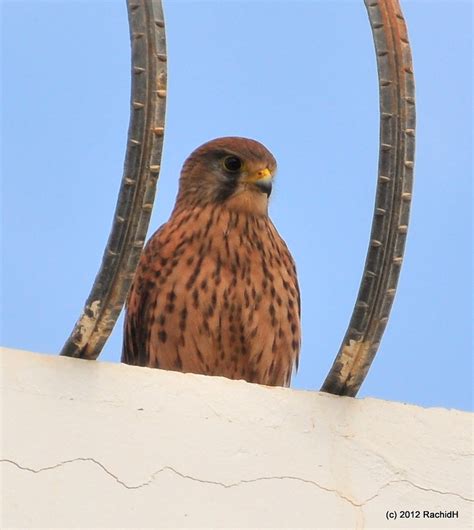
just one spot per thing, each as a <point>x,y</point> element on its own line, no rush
<point>216,291</point>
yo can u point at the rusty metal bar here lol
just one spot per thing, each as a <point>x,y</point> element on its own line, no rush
<point>137,191</point>
<point>392,203</point>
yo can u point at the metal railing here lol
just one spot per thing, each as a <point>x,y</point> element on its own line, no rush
<point>137,191</point>
<point>142,167</point>
<point>392,202</point>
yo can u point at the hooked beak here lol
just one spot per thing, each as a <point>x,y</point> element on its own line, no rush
<point>262,179</point>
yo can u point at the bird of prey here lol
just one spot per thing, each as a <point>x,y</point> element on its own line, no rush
<point>216,291</point>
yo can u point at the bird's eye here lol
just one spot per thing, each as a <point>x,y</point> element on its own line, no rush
<point>232,163</point>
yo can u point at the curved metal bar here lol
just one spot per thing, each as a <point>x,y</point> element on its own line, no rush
<point>392,203</point>
<point>137,192</point>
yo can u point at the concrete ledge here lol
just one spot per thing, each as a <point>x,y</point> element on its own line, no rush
<point>94,445</point>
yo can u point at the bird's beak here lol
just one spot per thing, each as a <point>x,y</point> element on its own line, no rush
<point>262,179</point>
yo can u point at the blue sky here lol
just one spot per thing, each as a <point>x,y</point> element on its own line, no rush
<point>298,76</point>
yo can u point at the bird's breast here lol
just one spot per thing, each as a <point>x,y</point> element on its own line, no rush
<point>220,292</point>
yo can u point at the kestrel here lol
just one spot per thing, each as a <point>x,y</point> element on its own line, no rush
<point>216,291</point>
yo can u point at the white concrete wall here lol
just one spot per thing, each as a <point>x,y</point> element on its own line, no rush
<point>97,445</point>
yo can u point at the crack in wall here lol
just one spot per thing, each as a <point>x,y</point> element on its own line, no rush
<point>418,487</point>
<point>182,475</point>
<point>431,490</point>
<point>232,484</point>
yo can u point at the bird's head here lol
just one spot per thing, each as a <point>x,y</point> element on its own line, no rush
<point>236,171</point>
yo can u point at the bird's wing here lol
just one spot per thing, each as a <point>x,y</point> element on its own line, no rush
<point>139,309</point>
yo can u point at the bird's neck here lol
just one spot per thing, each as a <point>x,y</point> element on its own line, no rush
<point>246,202</point>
